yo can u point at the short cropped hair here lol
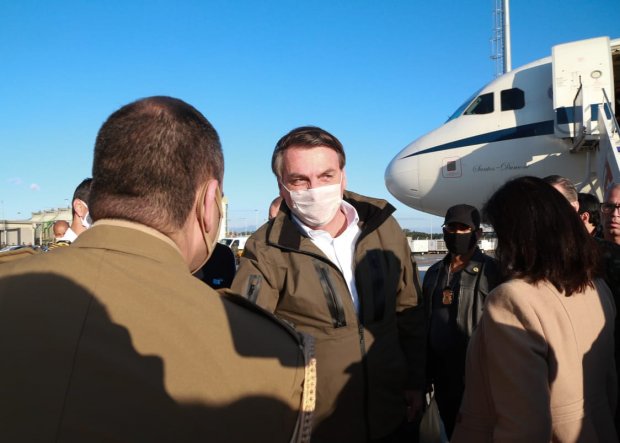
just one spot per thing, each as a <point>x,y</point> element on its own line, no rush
<point>610,188</point>
<point>589,203</point>
<point>150,158</point>
<point>567,188</point>
<point>82,192</point>
<point>306,137</point>
<point>540,237</point>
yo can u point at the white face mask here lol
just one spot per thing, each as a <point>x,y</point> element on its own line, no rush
<point>86,221</point>
<point>316,206</point>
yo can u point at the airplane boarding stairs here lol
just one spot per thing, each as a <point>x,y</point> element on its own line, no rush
<point>583,84</point>
<point>608,165</point>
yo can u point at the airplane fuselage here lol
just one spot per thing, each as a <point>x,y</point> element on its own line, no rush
<point>509,128</point>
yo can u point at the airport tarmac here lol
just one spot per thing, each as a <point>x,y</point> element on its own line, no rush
<point>426,261</point>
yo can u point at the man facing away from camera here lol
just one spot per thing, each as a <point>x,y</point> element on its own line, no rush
<point>336,265</point>
<point>113,339</point>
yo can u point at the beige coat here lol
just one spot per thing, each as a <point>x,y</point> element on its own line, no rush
<point>112,339</point>
<point>540,368</point>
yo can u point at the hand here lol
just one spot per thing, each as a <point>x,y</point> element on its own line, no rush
<point>415,401</point>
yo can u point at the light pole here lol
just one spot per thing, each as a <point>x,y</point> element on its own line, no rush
<point>3,240</point>
<point>6,234</point>
<point>34,235</point>
<point>19,235</point>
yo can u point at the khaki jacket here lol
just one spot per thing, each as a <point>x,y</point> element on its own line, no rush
<point>540,368</point>
<point>112,339</point>
<point>365,362</point>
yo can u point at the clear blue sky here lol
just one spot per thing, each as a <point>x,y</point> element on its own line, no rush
<point>377,74</point>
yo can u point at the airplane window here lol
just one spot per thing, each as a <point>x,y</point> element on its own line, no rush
<point>512,99</point>
<point>483,104</point>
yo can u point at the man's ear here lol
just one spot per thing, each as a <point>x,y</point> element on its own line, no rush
<point>80,207</point>
<point>344,180</point>
<point>211,216</point>
<point>478,234</point>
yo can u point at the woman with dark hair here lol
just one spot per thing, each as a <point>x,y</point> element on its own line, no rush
<point>540,366</point>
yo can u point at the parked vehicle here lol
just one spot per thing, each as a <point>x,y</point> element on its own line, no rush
<point>237,244</point>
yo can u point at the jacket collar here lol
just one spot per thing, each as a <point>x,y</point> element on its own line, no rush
<point>282,232</point>
<point>475,262</point>
<point>131,238</point>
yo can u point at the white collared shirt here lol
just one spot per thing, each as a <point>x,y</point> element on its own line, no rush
<point>340,250</point>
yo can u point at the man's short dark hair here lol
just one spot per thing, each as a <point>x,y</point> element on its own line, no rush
<point>540,237</point>
<point>82,192</point>
<point>589,203</point>
<point>150,158</point>
<point>305,137</point>
<point>610,188</point>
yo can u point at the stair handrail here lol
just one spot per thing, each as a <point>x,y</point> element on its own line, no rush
<point>609,113</point>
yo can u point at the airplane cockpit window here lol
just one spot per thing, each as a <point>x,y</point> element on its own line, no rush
<point>512,99</point>
<point>461,108</point>
<point>483,104</point>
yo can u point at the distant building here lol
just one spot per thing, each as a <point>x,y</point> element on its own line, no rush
<point>34,231</point>
<point>37,230</point>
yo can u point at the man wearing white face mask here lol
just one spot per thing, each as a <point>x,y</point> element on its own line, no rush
<point>113,339</point>
<point>336,265</point>
<point>79,208</point>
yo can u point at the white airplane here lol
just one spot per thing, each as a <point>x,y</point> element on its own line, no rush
<point>552,116</point>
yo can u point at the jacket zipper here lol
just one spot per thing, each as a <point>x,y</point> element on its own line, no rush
<point>362,343</point>
<point>333,302</point>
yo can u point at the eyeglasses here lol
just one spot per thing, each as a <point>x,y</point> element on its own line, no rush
<point>608,208</point>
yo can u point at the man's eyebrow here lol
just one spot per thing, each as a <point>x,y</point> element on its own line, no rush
<point>296,175</point>
<point>328,171</point>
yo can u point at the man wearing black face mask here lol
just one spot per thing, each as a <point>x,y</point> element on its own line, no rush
<point>454,291</point>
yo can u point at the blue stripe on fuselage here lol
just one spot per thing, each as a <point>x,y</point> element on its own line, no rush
<point>531,130</point>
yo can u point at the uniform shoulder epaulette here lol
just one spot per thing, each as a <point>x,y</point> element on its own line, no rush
<point>59,243</point>
<point>245,303</point>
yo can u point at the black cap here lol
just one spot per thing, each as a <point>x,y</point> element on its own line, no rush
<point>464,214</point>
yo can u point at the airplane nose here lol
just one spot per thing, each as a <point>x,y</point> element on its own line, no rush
<point>402,179</point>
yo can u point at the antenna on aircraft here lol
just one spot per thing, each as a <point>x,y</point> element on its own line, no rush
<point>500,42</point>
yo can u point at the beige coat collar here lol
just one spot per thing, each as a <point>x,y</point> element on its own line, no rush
<point>132,238</point>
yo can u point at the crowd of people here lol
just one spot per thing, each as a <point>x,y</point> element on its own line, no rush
<point>324,332</point>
